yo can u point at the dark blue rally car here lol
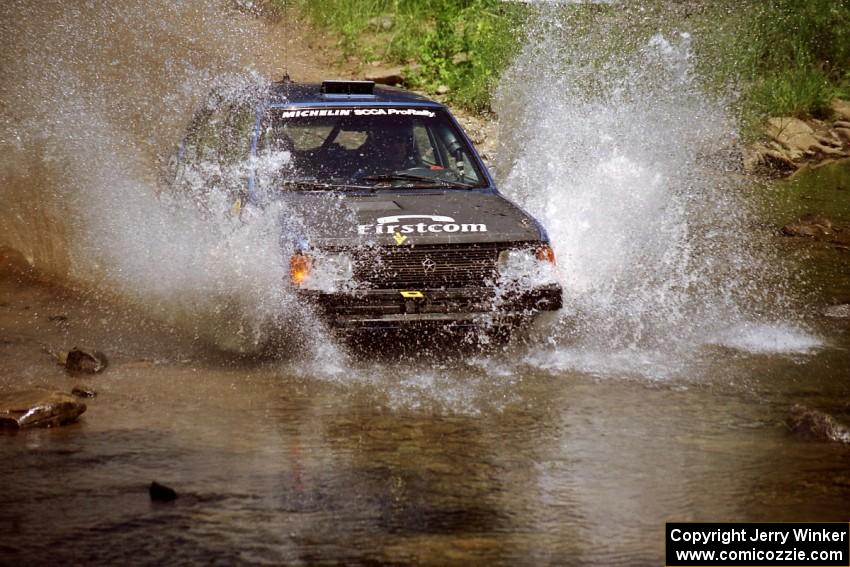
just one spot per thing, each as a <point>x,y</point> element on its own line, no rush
<point>392,219</point>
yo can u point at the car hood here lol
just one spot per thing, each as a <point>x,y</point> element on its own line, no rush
<point>406,218</point>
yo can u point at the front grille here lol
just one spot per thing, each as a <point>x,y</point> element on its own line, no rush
<point>427,266</point>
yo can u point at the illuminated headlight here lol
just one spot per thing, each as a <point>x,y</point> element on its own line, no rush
<point>528,267</point>
<point>321,272</point>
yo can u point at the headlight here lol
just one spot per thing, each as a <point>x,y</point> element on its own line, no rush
<point>528,267</point>
<point>322,272</point>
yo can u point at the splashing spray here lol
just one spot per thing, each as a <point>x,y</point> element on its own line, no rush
<point>630,165</point>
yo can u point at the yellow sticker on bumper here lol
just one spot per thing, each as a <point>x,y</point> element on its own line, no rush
<point>412,294</point>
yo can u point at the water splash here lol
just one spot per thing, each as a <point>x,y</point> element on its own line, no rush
<point>766,338</point>
<point>631,166</point>
<point>623,156</point>
<point>95,98</point>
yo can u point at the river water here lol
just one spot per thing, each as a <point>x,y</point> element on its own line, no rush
<point>658,394</point>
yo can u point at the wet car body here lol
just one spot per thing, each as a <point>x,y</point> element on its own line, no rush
<point>426,241</point>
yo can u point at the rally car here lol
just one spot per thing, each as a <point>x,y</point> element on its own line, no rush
<point>392,219</point>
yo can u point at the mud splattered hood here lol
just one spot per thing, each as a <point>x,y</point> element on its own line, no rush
<point>405,218</point>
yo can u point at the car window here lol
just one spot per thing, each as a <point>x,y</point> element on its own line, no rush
<point>351,139</point>
<point>221,135</point>
<point>300,137</point>
<point>465,169</point>
<point>379,147</point>
<point>214,155</point>
<point>424,145</point>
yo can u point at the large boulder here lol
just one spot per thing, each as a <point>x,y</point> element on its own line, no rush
<point>38,408</point>
<point>792,143</point>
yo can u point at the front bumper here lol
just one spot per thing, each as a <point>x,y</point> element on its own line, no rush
<point>466,307</point>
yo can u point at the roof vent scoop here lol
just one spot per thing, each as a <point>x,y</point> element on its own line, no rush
<point>349,88</point>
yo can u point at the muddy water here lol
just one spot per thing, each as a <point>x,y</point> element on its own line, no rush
<point>477,457</point>
<point>658,394</point>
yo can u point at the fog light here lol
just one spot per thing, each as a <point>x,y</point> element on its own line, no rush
<point>527,267</point>
<point>516,261</point>
<point>331,272</point>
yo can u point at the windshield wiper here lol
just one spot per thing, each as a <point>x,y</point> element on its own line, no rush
<point>414,177</point>
<point>316,185</point>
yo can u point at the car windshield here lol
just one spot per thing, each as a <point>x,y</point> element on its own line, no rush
<point>372,148</point>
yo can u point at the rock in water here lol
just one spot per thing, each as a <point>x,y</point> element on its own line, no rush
<point>89,362</point>
<point>820,228</point>
<point>810,225</point>
<point>83,392</point>
<point>161,493</point>
<point>814,425</point>
<point>38,408</point>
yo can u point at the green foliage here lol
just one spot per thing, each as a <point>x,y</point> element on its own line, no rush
<point>787,56</point>
<point>783,56</point>
<point>461,44</point>
<point>348,18</point>
<point>796,91</point>
<point>792,34</point>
